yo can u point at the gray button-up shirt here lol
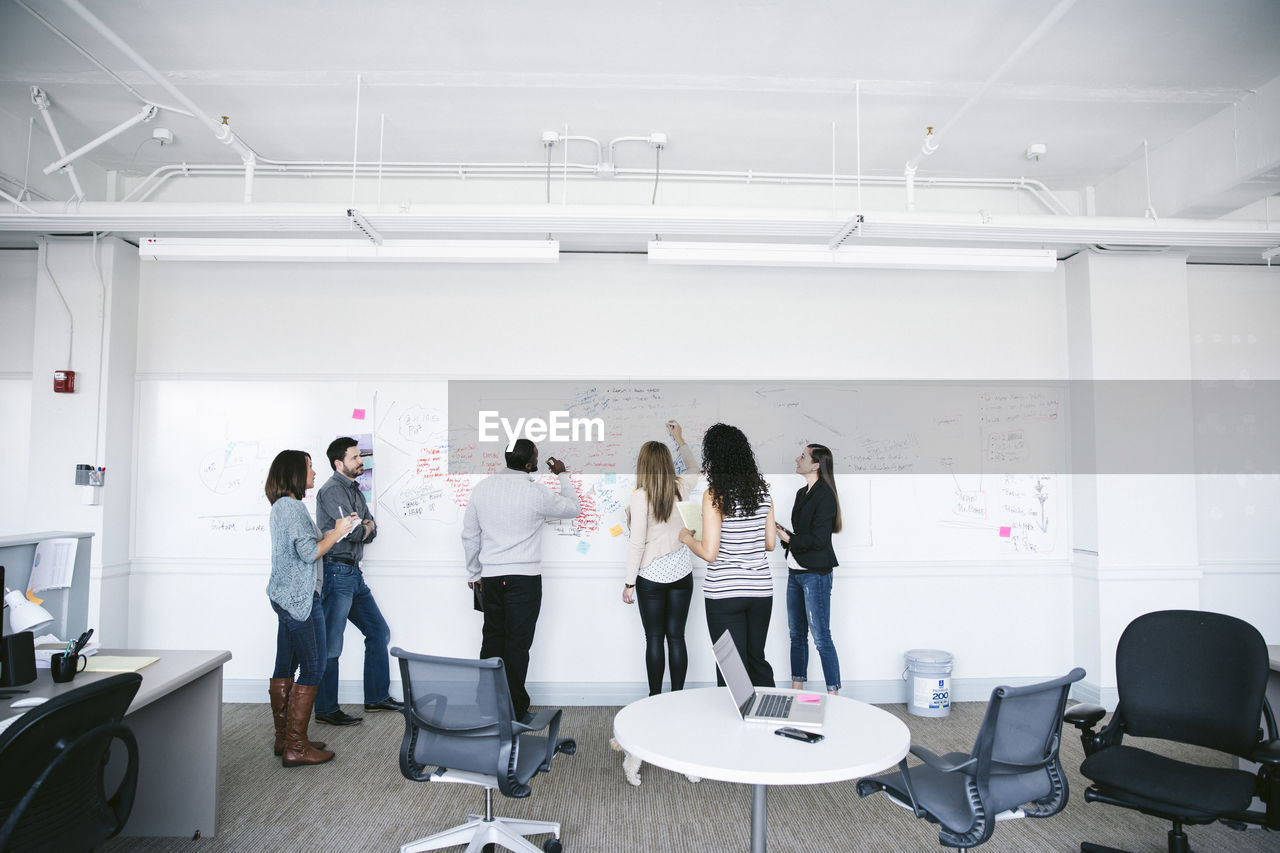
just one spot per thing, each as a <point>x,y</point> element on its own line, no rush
<point>336,498</point>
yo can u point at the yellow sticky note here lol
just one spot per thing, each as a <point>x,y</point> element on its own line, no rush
<point>616,530</point>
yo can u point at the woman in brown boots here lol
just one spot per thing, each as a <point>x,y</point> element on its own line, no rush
<point>294,591</point>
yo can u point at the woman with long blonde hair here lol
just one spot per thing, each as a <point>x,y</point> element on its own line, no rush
<point>659,568</point>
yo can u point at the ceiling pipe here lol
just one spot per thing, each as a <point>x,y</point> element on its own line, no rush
<point>4,195</point>
<point>933,138</point>
<point>41,100</point>
<point>163,174</point>
<point>551,138</point>
<point>220,130</point>
<point>89,56</point>
<point>147,113</point>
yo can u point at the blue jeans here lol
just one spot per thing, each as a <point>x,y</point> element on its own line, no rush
<point>346,596</point>
<point>809,610</point>
<point>300,644</point>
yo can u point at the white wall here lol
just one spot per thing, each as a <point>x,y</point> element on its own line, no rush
<point>17,330</point>
<point>1235,336</point>
<point>602,316</point>
<point>614,316</point>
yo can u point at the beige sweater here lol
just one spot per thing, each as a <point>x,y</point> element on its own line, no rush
<point>651,538</point>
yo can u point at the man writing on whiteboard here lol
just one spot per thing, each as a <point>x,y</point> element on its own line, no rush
<point>344,594</point>
<point>502,540</point>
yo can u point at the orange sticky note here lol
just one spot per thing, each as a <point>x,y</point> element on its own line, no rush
<point>616,530</point>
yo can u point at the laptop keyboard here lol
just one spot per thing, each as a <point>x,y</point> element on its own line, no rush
<point>776,705</point>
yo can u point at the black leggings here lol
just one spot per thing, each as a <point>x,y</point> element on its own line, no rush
<point>664,608</point>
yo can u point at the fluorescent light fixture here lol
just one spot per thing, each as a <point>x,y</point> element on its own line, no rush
<point>853,257</point>
<point>402,251</point>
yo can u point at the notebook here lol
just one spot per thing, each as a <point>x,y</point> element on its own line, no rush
<point>766,704</point>
<point>691,515</point>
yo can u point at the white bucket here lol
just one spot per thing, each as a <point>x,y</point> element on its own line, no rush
<point>928,676</point>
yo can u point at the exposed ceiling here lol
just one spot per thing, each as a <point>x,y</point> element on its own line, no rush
<point>736,86</point>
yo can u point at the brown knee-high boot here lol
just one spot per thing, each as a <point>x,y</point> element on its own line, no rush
<point>278,689</point>
<point>298,751</point>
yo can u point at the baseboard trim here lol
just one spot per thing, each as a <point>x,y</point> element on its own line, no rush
<point>619,693</point>
<point>1093,694</point>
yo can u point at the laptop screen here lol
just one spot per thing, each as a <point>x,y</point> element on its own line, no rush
<point>734,672</point>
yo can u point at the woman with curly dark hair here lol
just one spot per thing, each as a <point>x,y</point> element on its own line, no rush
<point>737,530</point>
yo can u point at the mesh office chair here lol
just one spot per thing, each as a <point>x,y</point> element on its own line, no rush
<point>458,727</point>
<point>1013,770</point>
<point>52,790</point>
<point>1191,677</point>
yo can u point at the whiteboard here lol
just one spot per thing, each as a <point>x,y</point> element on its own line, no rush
<point>923,481</point>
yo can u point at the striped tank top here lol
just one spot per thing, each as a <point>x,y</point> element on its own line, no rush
<point>741,568</point>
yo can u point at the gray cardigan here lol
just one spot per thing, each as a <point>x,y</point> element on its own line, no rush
<point>294,546</point>
<point>502,527</point>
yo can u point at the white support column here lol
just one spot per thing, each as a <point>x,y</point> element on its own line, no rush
<point>1136,533</point>
<point>94,425</point>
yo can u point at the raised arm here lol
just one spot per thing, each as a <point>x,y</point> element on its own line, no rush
<point>563,505</point>
<point>689,479</point>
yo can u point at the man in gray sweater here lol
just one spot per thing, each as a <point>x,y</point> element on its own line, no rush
<point>502,540</point>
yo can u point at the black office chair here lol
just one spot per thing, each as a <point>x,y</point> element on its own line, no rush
<point>52,790</point>
<point>459,727</point>
<point>1013,770</point>
<point>1190,677</point>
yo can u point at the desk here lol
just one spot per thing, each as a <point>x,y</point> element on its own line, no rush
<point>699,732</point>
<point>177,720</point>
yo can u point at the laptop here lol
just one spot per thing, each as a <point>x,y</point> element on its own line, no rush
<point>766,704</point>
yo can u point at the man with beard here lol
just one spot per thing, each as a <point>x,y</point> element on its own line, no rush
<point>344,594</point>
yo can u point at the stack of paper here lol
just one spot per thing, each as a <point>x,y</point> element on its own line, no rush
<point>48,645</point>
<point>53,565</point>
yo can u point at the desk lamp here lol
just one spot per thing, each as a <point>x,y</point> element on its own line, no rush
<point>17,650</point>
<point>25,615</point>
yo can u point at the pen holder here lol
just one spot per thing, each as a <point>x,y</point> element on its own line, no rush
<point>63,667</point>
<point>17,659</point>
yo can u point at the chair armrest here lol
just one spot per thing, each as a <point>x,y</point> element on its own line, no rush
<point>945,763</point>
<point>1267,753</point>
<point>540,721</point>
<point>547,718</point>
<point>1084,717</point>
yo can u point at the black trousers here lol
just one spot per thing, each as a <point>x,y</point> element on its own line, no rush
<point>664,608</point>
<point>747,621</point>
<point>511,607</point>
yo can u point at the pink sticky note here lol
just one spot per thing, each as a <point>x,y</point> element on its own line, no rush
<point>808,697</point>
<point>1006,532</point>
<point>357,414</point>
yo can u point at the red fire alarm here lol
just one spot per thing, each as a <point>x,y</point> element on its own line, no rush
<point>64,381</point>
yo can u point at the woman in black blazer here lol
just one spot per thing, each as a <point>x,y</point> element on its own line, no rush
<point>810,559</point>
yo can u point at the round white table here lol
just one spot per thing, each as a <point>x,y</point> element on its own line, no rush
<point>700,732</point>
